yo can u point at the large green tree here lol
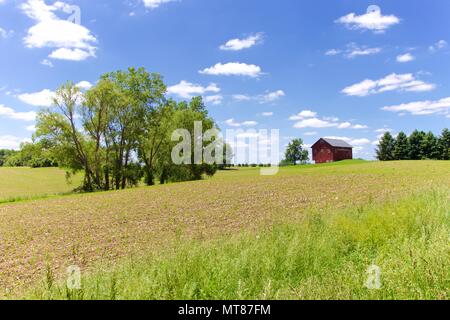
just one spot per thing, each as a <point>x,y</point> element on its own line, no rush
<point>295,153</point>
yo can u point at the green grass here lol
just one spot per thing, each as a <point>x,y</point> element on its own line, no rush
<point>18,184</point>
<point>323,256</point>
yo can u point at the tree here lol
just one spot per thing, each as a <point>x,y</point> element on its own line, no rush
<point>385,151</point>
<point>415,148</point>
<point>401,149</point>
<point>5,155</point>
<point>295,153</point>
<point>444,145</point>
<point>140,92</point>
<point>429,147</point>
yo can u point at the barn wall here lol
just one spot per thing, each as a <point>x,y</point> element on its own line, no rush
<point>342,154</point>
<point>322,153</point>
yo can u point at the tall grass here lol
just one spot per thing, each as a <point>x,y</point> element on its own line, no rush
<point>324,257</point>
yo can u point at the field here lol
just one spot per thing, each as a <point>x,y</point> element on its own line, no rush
<point>308,232</point>
<point>24,183</point>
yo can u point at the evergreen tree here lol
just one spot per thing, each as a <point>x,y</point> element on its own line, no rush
<point>429,147</point>
<point>444,145</point>
<point>415,141</point>
<point>385,151</point>
<point>401,149</point>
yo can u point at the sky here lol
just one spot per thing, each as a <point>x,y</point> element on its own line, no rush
<point>348,69</point>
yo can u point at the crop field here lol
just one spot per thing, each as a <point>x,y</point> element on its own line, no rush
<point>308,232</point>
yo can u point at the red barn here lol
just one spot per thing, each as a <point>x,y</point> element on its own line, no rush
<point>331,150</point>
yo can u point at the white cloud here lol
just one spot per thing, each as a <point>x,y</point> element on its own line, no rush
<point>441,44</point>
<point>47,63</point>
<point>418,108</point>
<point>10,113</point>
<point>242,97</point>
<point>5,34</point>
<point>71,54</point>
<point>407,57</point>
<point>314,123</point>
<point>84,85</point>
<point>304,114</point>
<point>392,82</point>
<point>267,114</point>
<point>11,142</point>
<point>373,20</point>
<point>71,41</point>
<point>352,141</point>
<point>31,128</point>
<point>233,123</point>
<point>233,69</point>
<point>353,51</point>
<point>311,133</point>
<point>363,52</point>
<point>309,119</point>
<point>214,99</point>
<point>333,52</point>
<point>241,44</point>
<point>272,96</point>
<point>187,90</point>
<point>42,98</point>
<point>262,98</point>
<point>383,130</point>
<point>153,4</point>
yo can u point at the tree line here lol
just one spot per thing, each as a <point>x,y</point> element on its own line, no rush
<point>117,133</point>
<point>418,146</point>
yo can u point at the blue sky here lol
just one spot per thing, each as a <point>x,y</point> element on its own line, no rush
<point>327,68</point>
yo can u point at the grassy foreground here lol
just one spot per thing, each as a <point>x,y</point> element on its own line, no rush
<point>324,256</point>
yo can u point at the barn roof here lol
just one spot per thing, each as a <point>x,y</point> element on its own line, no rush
<point>336,143</point>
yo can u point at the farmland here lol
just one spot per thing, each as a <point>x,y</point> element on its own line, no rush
<point>25,183</point>
<point>300,228</point>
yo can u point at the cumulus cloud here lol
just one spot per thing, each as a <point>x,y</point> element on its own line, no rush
<point>12,142</point>
<point>407,57</point>
<point>233,69</point>
<point>241,44</point>
<point>373,20</point>
<point>419,108</point>
<point>310,119</point>
<point>214,99</point>
<point>392,82</point>
<point>70,41</point>
<point>267,114</point>
<point>303,115</point>
<point>42,98</point>
<point>187,90</point>
<point>84,85</point>
<point>9,113</point>
<point>352,141</point>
